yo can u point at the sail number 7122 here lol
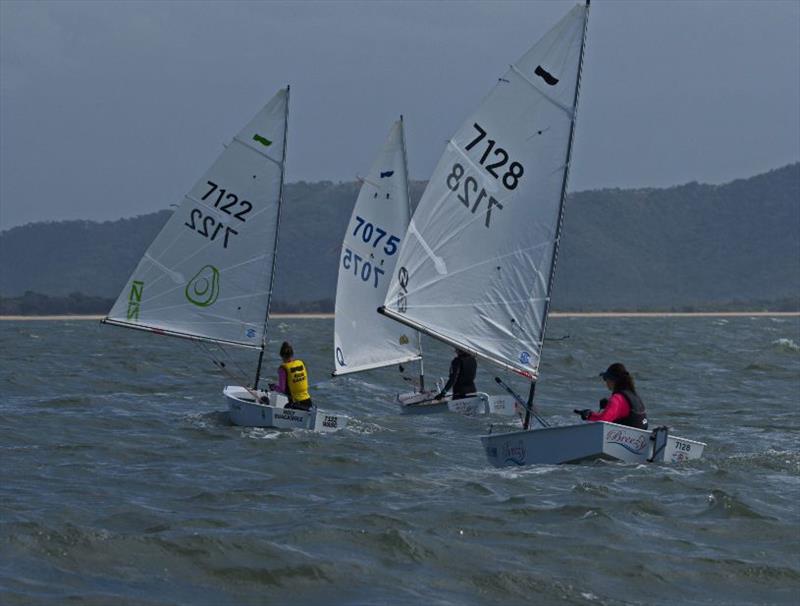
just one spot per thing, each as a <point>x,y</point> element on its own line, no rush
<point>210,226</point>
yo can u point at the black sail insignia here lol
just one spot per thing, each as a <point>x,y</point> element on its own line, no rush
<point>545,75</point>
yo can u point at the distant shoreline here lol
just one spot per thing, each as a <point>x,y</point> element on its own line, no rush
<point>577,314</point>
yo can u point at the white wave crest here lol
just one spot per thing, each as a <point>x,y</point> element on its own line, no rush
<point>786,344</point>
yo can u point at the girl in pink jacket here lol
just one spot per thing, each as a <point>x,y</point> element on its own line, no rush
<point>624,407</point>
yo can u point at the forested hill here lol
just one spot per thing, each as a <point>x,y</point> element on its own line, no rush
<point>688,246</point>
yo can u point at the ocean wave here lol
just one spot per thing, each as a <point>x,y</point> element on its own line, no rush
<point>724,505</point>
<point>364,427</point>
<point>264,433</point>
<point>788,345</point>
<point>204,420</point>
<point>528,587</point>
<point>771,460</point>
<point>733,568</point>
<point>277,576</point>
<point>760,366</point>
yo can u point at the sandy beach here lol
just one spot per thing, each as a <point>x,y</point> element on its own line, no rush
<point>588,314</point>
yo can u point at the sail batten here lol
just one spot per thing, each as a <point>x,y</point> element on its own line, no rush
<point>208,273</point>
<point>476,268</point>
<point>364,340</point>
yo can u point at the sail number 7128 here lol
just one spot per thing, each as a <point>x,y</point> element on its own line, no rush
<point>511,177</point>
<point>470,194</point>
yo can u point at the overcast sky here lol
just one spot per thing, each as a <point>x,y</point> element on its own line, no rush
<point>112,109</point>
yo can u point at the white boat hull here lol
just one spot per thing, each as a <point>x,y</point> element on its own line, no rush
<point>586,441</point>
<point>245,411</point>
<point>417,403</point>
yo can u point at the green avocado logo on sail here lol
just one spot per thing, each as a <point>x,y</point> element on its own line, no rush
<point>203,288</point>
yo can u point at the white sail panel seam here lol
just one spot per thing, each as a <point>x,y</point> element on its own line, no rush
<point>366,180</point>
<point>560,106</point>
<point>256,151</point>
<point>175,275</point>
<point>492,186</point>
<point>474,305</point>
<point>243,263</point>
<point>484,262</point>
<point>222,300</point>
<point>183,284</point>
<point>189,258</point>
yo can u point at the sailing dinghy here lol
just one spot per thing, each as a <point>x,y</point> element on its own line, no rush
<point>208,275</point>
<point>364,340</point>
<point>477,265</point>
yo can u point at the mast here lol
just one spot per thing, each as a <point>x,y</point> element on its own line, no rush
<point>526,422</point>
<point>275,247</point>
<point>408,217</point>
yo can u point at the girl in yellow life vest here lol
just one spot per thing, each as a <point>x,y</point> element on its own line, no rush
<point>292,380</point>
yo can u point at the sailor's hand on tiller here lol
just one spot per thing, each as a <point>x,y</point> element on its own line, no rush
<point>584,413</point>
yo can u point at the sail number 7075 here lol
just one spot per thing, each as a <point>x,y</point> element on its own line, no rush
<point>361,267</point>
<point>374,234</point>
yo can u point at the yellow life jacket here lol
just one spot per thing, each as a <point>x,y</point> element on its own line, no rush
<point>296,380</point>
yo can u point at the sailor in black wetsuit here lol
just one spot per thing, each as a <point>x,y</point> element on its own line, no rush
<point>462,376</point>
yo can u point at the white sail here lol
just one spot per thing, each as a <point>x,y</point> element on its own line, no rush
<point>208,273</point>
<point>363,339</point>
<point>474,269</point>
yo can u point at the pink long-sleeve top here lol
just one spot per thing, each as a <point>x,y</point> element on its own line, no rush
<point>616,410</point>
<point>282,384</point>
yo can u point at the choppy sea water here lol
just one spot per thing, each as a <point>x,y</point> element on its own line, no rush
<point>121,481</point>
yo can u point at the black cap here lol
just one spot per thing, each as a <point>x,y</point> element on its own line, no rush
<point>613,372</point>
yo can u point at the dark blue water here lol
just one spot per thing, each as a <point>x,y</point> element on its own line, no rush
<point>121,481</point>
